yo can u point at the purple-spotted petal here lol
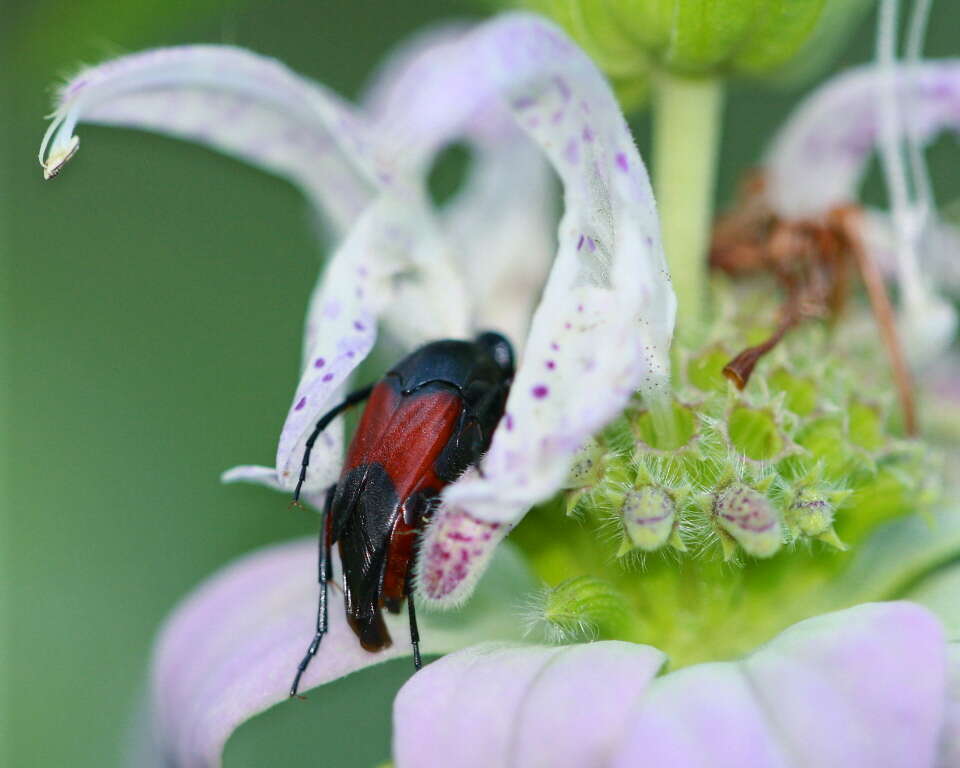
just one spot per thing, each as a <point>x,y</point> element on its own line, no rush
<point>388,240</point>
<point>603,326</point>
<point>819,157</point>
<point>862,687</point>
<point>491,706</point>
<point>248,106</point>
<point>229,651</point>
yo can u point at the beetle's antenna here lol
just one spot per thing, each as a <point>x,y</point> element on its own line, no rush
<point>352,399</point>
<point>322,608</point>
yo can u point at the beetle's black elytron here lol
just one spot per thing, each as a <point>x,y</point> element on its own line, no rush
<point>427,420</point>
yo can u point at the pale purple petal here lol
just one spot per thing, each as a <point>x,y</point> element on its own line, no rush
<point>818,159</point>
<point>491,706</point>
<point>230,650</point>
<point>950,736</point>
<point>603,327</point>
<point>862,687</point>
<point>247,106</point>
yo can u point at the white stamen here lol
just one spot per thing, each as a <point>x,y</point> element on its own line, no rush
<point>928,320</point>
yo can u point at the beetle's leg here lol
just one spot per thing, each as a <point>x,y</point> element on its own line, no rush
<point>352,399</point>
<point>414,631</point>
<point>324,572</point>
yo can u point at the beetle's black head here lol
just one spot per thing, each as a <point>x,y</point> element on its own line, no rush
<point>499,348</point>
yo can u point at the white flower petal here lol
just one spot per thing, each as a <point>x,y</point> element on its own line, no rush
<point>502,223</point>
<point>818,158</point>
<point>499,225</point>
<point>358,285</point>
<point>604,324</point>
<point>248,106</point>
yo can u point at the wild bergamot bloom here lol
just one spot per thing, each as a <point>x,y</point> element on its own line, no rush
<point>696,522</point>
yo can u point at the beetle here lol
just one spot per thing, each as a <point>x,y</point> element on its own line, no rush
<point>426,421</point>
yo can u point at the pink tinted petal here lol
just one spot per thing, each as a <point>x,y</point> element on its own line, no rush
<point>700,717</point>
<point>248,106</point>
<point>950,736</point>
<point>861,687</point>
<point>818,158</point>
<point>230,650</point>
<point>454,551</point>
<point>495,706</point>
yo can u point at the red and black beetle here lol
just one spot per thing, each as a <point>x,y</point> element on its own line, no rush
<point>427,420</point>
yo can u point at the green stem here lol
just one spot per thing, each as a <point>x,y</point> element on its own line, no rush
<point>686,136</point>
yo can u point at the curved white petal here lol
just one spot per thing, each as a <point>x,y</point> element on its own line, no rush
<point>503,224</point>
<point>818,158</point>
<point>603,327</point>
<point>499,225</point>
<point>388,244</point>
<point>245,105</point>
<point>229,651</point>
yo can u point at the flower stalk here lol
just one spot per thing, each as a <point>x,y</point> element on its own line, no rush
<point>686,135</point>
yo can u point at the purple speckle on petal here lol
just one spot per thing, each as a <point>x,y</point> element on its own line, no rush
<point>622,163</point>
<point>351,353</point>
<point>572,151</point>
<point>579,307</point>
<point>332,309</point>
<point>540,391</point>
<point>554,346</point>
<point>524,102</point>
<point>328,377</point>
<point>557,117</point>
<point>299,406</point>
<point>508,422</point>
<point>567,325</point>
<point>319,362</point>
<point>587,134</point>
<point>359,326</point>
<point>551,365</point>
<point>591,245</point>
<point>580,242</point>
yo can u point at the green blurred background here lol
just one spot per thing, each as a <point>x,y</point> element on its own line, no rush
<point>152,301</point>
